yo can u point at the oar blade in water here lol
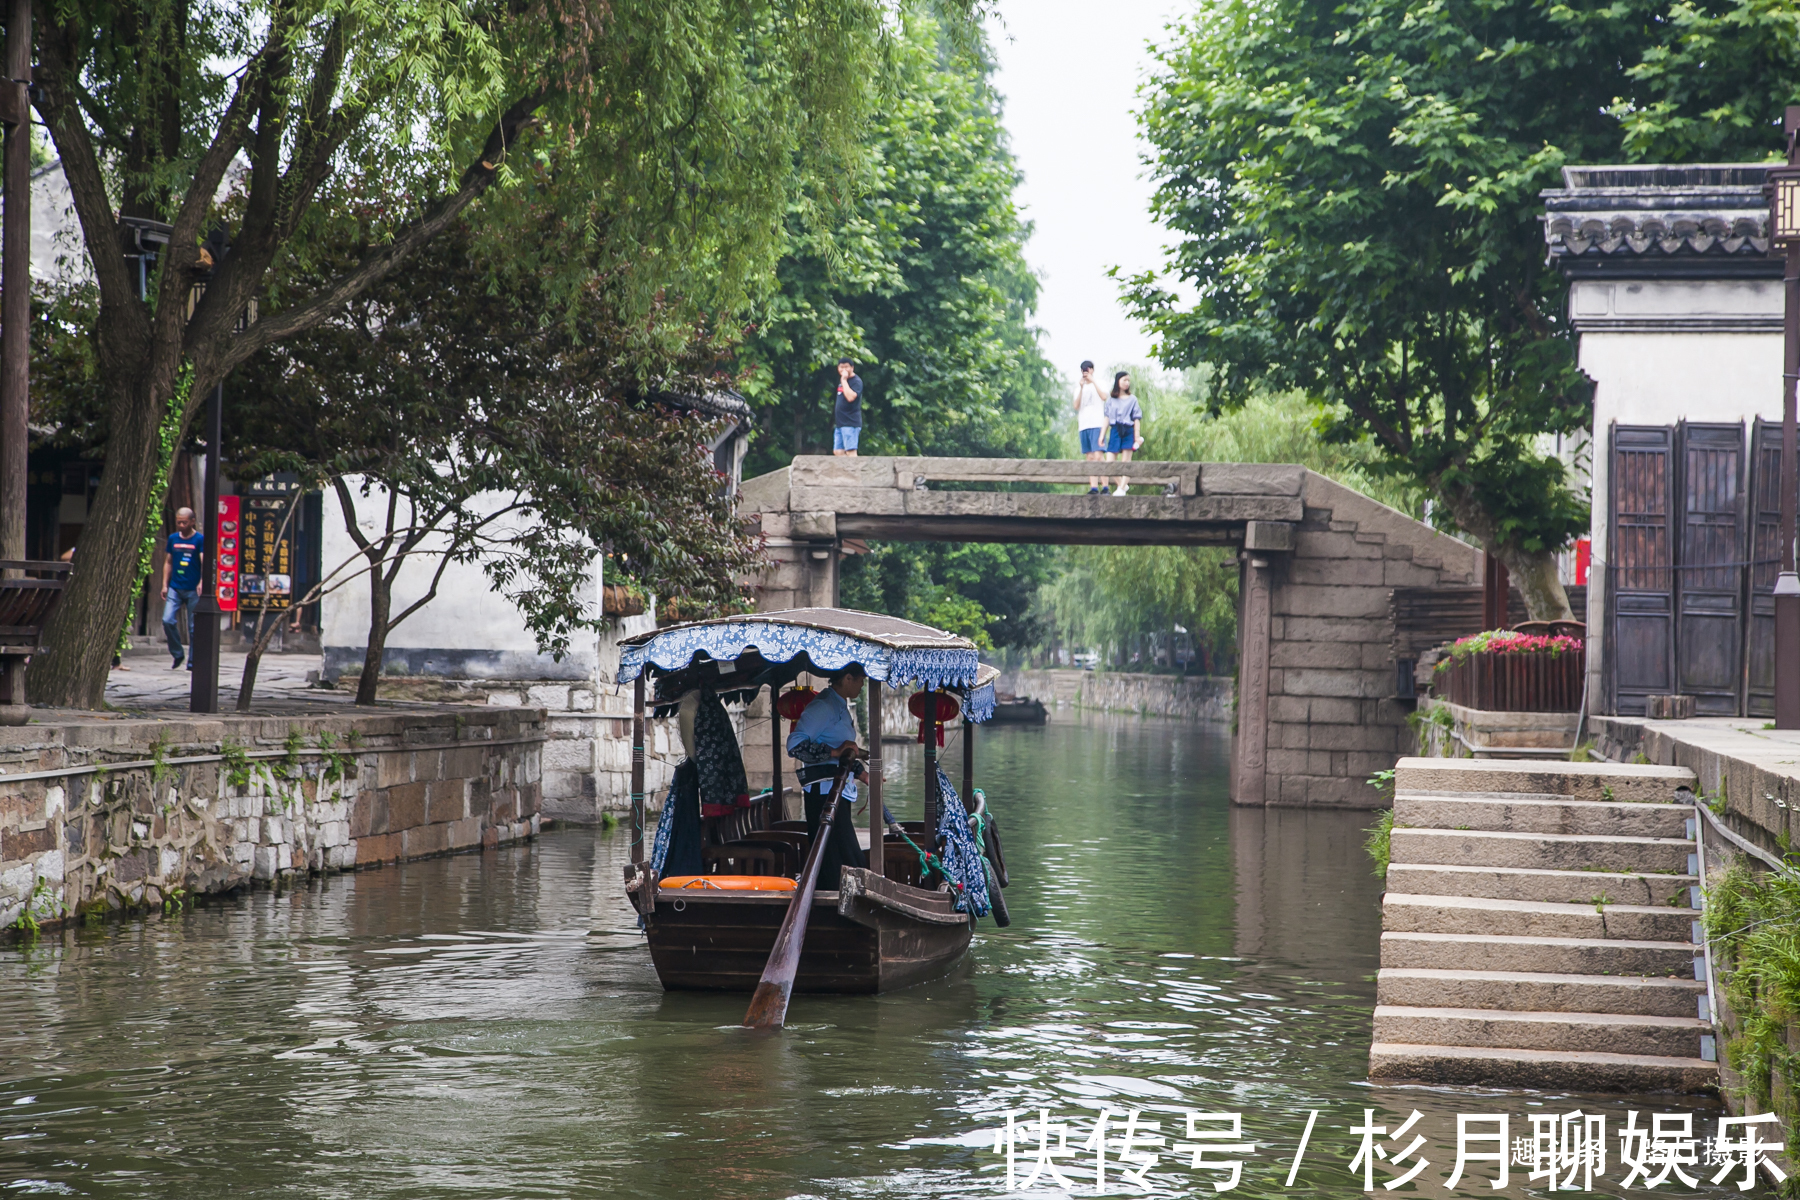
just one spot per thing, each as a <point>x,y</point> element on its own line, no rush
<point>768,1005</point>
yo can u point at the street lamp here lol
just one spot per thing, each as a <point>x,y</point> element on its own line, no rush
<point>218,580</point>
<point>1783,188</point>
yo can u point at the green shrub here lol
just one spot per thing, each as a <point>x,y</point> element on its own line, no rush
<point>1753,924</point>
<point>1380,841</point>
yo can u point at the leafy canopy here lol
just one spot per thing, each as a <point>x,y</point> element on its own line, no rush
<point>668,137</point>
<point>507,441</point>
<point>1355,187</point>
<point>922,280</point>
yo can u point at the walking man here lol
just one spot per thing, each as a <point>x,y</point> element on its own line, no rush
<point>1125,421</point>
<point>181,583</point>
<point>846,411</point>
<point>1090,419</point>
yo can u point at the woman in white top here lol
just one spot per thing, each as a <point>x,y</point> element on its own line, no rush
<point>1090,419</point>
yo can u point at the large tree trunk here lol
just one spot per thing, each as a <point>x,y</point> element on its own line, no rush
<point>1536,576</point>
<point>84,629</point>
<point>1534,572</point>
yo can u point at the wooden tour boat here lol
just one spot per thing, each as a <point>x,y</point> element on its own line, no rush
<point>874,929</point>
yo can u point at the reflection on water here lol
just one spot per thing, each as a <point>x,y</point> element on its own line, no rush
<point>490,1026</point>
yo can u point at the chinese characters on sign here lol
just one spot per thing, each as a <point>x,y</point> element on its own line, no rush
<point>268,581</point>
<point>1563,1152</point>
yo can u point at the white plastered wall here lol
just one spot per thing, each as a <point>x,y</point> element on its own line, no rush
<point>1665,351</point>
<point>468,631</point>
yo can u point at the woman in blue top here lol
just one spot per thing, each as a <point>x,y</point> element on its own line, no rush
<point>1125,421</point>
<point>823,737</point>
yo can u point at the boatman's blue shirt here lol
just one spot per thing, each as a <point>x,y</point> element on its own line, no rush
<point>822,728</point>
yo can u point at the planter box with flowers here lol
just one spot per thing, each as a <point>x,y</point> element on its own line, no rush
<point>1505,671</point>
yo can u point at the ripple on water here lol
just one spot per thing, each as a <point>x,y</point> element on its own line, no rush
<point>490,1026</point>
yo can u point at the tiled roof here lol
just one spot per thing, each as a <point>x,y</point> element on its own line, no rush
<point>1642,213</point>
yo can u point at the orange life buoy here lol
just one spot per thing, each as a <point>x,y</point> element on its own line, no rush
<point>730,883</point>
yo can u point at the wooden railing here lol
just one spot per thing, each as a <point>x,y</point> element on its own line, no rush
<point>25,603</point>
<point>1535,682</point>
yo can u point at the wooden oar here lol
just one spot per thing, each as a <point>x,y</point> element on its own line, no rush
<point>768,1007</point>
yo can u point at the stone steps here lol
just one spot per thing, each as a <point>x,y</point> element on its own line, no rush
<point>1537,929</point>
<point>1579,1033</point>
<point>1578,781</point>
<point>1403,913</point>
<point>1539,991</point>
<point>1521,815</point>
<point>1496,1067</point>
<point>1527,883</point>
<point>1556,851</point>
<point>1563,956</point>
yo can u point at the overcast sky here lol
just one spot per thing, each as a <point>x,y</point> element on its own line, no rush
<point>1069,71</point>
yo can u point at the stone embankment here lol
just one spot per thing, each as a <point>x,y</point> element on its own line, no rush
<point>1540,929</point>
<point>99,815</point>
<point>1195,697</point>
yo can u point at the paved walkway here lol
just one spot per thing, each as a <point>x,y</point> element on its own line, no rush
<point>1748,740</point>
<point>145,684</point>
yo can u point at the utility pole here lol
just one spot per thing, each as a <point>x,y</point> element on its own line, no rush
<point>15,319</point>
<point>1784,231</point>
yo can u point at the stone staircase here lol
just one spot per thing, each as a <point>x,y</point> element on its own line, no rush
<point>1539,929</point>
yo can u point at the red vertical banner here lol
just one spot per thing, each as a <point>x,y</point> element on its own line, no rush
<point>230,539</point>
<point>1584,558</point>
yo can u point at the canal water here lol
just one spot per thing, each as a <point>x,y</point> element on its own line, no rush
<point>490,1025</point>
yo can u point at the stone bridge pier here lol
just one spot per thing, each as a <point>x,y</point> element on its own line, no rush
<point>1315,712</point>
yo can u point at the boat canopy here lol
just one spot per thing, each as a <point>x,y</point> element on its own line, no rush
<point>775,647</point>
<point>980,704</point>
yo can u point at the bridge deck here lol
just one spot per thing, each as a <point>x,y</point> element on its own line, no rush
<point>907,499</point>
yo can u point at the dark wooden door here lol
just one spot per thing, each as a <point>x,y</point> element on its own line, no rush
<point>1765,546</point>
<point>1709,581</point>
<point>1641,657</point>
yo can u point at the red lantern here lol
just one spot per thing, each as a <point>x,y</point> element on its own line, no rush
<point>922,704</point>
<point>794,702</point>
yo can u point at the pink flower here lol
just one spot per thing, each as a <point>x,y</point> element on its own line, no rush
<point>1505,641</point>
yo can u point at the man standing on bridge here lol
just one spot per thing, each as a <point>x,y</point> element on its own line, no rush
<point>846,411</point>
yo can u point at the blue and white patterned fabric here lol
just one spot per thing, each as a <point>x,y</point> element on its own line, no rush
<point>980,706</point>
<point>962,857</point>
<point>828,650</point>
<point>665,827</point>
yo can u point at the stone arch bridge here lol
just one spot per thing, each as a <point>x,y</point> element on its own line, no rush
<point>1316,672</point>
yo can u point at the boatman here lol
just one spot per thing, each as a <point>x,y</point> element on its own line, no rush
<point>823,737</point>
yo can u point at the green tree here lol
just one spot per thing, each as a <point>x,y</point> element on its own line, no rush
<point>923,282</point>
<point>1356,191</point>
<point>667,133</point>
<point>454,424</point>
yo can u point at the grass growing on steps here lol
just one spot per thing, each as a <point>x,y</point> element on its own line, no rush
<point>1380,841</point>
<point>1753,923</point>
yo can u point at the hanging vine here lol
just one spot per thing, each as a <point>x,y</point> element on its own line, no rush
<point>168,435</point>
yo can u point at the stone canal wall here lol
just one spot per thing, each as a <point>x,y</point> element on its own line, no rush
<point>99,815</point>
<point>1196,697</point>
<point>587,746</point>
<point>587,724</point>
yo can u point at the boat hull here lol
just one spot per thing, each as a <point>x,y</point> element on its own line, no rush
<point>873,935</point>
